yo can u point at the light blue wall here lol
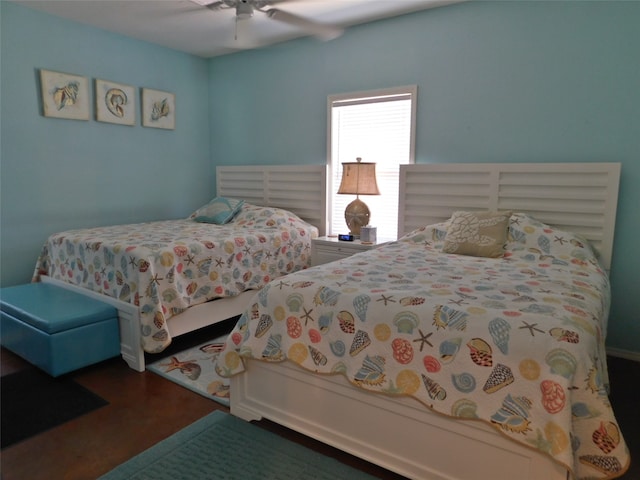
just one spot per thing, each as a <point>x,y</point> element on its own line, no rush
<point>60,174</point>
<point>497,82</point>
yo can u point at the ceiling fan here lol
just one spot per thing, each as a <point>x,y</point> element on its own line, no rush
<point>245,9</point>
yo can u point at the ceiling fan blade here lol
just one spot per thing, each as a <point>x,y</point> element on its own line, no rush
<point>319,30</point>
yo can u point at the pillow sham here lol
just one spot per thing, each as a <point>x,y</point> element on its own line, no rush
<point>478,234</point>
<point>220,210</point>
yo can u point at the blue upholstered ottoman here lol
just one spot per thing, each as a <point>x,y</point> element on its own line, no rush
<point>57,329</point>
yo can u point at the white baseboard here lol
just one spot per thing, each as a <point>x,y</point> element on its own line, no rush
<point>627,354</point>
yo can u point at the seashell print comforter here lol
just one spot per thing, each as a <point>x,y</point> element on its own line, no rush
<point>516,341</point>
<point>167,266</point>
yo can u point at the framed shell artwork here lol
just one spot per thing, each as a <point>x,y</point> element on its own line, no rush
<point>158,109</point>
<point>115,103</point>
<point>64,95</point>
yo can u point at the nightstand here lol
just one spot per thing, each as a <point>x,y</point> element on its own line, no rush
<point>329,249</point>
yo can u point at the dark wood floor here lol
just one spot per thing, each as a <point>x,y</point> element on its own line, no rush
<point>145,408</point>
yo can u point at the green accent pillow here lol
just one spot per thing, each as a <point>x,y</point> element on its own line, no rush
<point>220,210</point>
<point>479,234</point>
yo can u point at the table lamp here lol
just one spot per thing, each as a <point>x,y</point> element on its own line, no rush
<point>358,178</point>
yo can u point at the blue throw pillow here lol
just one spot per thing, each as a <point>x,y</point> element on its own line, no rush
<point>220,210</point>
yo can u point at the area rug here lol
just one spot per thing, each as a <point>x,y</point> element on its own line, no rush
<point>223,447</point>
<point>193,368</point>
<point>33,402</point>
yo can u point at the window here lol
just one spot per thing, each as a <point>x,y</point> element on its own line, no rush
<point>378,126</point>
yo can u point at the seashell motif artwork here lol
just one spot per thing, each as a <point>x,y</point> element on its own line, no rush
<point>435,391</point>
<point>264,324</point>
<point>431,364</point>
<point>125,293</point>
<point>499,330</point>
<point>324,322</point>
<point>371,372</point>
<point>553,396</point>
<point>464,408</point>
<point>537,308</point>
<point>317,356</point>
<point>563,335</point>
<point>594,380</point>
<point>361,341</point>
<point>360,304</point>
<point>411,301</point>
<point>263,295</point>
<point>406,322</point>
<point>556,437</point>
<point>273,350</point>
<point>338,348</point>
<point>160,336</point>
<point>255,311</point>
<point>604,464</point>
<point>513,415</point>
<point>544,243</point>
<point>346,321</point>
<point>448,317</point>
<point>294,301</point>
<point>582,410</point>
<point>294,327</point>
<point>158,320</point>
<point>500,377</point>
<point>449,349</point>
<point>326,296</point>
<point>402,350</point>
<point>561,362</point>
<point>464,382</point>
<point>480,352</point>
<point>606,437</point>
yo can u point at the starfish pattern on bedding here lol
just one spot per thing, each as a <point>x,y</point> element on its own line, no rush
<point>531,328</point>
<point>307,316</point>
<point>386,299</point>
<point>423,339</point>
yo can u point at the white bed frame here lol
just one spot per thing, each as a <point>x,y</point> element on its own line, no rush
<point>399,433</point>
<point>299,189</point>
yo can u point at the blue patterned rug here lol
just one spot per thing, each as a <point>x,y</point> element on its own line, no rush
<point>223,447</point>
<point>193,369</point>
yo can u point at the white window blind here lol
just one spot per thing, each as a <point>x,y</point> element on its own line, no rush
<point>378,127</point>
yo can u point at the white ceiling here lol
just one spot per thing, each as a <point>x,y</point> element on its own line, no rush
<point>188,27</point>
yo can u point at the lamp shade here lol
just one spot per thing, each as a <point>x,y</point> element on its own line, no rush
<point>359,178</point>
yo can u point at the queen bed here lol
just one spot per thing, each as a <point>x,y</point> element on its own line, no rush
<point>171,277</point>
<point>473,347</point>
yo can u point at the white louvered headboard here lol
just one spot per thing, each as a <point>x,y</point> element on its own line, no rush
<point>578,197</point>
<point>301,189</point>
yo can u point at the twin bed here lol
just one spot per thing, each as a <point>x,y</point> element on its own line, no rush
<point>438,365</point>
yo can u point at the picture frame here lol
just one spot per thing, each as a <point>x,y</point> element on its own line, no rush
<point>158,109</point>
<point>115,102</point>
<point>64,95</point>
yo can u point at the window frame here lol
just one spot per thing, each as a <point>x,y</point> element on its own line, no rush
<point>362,97</point>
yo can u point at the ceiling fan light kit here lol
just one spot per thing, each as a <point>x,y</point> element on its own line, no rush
<point>245,8</point>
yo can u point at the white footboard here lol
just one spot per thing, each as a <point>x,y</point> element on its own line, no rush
<point>396,433</point>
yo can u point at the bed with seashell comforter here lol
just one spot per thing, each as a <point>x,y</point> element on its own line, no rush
<point>165,267</point>
<point>512,339</point>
